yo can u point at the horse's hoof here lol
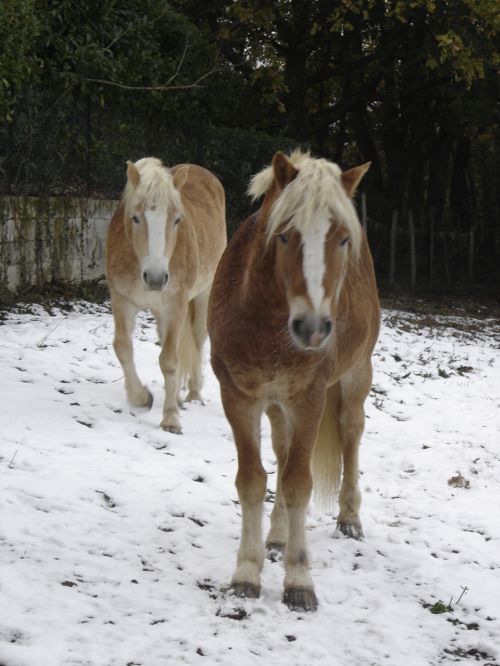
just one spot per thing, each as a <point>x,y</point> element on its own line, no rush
<point>246,590</point>
<point>144,402</point>
<point>350,530</point>
<point>275,551</point>
<point>300,599</point>
<point>171,427</point>
<point>194,396</point>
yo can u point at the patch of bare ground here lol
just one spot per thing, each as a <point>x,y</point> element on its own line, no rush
<point>459,317</point>
<point>476,306</point>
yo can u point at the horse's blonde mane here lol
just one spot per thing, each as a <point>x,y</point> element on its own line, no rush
<point>316,188</point>
<point>155,187</point>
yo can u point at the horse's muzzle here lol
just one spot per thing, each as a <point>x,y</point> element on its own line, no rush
<point>155,281</point>
<point>311,332</point>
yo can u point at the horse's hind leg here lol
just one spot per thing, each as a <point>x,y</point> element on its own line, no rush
<point>354,386</point>
<point>278,534</point>
<point>198,313</point>
<point>124,314</point>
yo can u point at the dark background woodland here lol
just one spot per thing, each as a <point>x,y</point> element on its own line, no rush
<point>411,86</point>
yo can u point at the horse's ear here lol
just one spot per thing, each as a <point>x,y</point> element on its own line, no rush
<point>352,178</point>
<point>180,176</point>
<point>133,174</point>
<point>283,170</point>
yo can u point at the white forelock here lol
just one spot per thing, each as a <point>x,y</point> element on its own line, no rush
<point>317,188</point>
<point>155,189</point>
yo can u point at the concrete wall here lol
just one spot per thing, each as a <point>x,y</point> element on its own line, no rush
<point>42,240</point>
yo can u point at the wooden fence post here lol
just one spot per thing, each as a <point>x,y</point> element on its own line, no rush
<point>413,257</point>
<point>394,239</point>
<point>431,244</point>
<point>446,256</point>
<point>472,238</point>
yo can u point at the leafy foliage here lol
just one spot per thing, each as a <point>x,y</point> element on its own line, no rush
<point>19,64</point>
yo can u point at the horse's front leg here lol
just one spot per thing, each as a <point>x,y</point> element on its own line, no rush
<point>171,328</point>
<point>251,480</point>
<point>296,486</point>
<point>124,314</point>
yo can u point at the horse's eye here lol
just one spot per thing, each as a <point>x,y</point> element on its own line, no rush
<point>344,242</point>
<point>135,219</point>
<point>177,220</point>
<point>283,238</point>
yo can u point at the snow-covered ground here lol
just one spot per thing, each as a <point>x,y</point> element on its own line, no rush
<point>117,539</point>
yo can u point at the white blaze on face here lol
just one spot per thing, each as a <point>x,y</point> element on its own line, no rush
<point>313,259</point>
<point>156,221</point>
<point>155,264</point>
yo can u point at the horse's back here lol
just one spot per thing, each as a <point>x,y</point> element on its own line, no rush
<point>202,233</point>
<point>203,193</point>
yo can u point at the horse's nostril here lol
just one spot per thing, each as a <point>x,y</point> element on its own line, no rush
<point>154,280</point>
<point>328,326</point>
<point>296,326</point>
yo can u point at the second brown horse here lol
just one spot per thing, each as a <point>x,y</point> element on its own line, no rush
<point>293,319</point>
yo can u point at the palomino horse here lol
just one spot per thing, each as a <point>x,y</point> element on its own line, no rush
<point>163,245</point>
<point>293,319</point>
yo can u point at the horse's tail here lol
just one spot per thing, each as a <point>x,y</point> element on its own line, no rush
<point>326,461</point>
<point>189,354</point>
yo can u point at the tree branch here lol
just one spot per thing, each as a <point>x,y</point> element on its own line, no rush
<point>160,88</point>
<point>164,86</point>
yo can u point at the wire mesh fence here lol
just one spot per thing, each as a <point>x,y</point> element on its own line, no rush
<point>73,145</point>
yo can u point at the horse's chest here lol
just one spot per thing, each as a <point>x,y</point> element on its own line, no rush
<point>272,382</point>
